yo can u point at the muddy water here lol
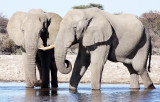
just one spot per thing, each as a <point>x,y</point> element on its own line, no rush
<point>16,92</point>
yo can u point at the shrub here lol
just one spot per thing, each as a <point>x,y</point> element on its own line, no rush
<point>151,21</point>
<point>89,6</point>
<point>3,24</point>
<point>7,46</point>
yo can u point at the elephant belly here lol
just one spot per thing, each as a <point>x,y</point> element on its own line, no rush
<point>120,55</point>
<point>122,59</point>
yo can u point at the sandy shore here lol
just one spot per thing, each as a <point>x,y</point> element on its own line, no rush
<point>11,69</point>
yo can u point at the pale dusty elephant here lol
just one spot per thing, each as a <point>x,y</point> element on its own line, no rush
<point>102,36</point>
<point>36,32</point>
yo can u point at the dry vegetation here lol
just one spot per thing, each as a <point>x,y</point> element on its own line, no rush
<point>151,21</point>
<point>7,46</point>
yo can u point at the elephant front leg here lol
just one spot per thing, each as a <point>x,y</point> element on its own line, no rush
<point>54,80</point>
<point>53,67</point>
<point>77,74</point>
<point>81,64</point>
<point>98,59</point>
<point>45,65</point>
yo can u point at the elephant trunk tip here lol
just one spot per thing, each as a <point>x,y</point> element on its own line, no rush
<point>67,69</point>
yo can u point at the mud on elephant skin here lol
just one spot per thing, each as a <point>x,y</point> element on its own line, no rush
<point>36,31</point>
<point>102,36</point>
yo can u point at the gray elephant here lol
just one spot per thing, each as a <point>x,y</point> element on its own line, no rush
<point>102,36</point>
<point>36,32</point>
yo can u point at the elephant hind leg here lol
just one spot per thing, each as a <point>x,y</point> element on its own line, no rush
<point>146,80</point>
<point>134,77</point>
<point>139,64</point>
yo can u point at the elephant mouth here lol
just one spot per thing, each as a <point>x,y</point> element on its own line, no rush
<point>46,48</point>
<point>67,62</point>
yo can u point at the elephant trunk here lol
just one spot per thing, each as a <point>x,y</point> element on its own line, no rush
<point>30,69</point>
<point>60,56</point>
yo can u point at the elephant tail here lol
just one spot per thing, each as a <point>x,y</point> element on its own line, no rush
<point>150,54</point>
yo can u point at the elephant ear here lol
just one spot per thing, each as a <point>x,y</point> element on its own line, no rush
<point>98,30</point>
<point>53,28</point>
<point>14,28</point>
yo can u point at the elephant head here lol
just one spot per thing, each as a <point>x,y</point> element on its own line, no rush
<point>83,26</point>
<point>27,30</point>
<point>32,31</point>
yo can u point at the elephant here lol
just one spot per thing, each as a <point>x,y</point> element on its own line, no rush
<point>36,31</point>
<point>103,36</point>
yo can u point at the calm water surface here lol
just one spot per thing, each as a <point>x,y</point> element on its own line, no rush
<point>16,92</point>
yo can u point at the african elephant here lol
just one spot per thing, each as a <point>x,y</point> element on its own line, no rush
<point>36,32</point>
<point>102,36</point>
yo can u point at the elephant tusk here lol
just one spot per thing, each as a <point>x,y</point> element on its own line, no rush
<point>47,48</point>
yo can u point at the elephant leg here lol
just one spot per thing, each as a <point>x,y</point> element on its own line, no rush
<point>144,75</point>
<point>53,67</point>
<point>139,64</point>
<point>134,77</point>
<point>81,64</point>
<point>54,80</point>
<point>147,80</point>
<point>45,65</point>
<point>98,59</point>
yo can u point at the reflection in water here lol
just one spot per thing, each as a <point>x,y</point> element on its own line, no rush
<point>96,96</point>
<point>40,94</point>
<point>108,93</point>
<point>138,96</point>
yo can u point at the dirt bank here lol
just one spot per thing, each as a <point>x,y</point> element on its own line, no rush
<point>11,69</point>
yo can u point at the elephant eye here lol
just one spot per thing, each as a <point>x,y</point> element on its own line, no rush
<point>22,30</point>
<point>75,28</point>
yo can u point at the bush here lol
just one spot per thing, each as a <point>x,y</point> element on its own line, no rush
<point>151,21</point>
<point>89,6</point>
<point>3,24</point>
<point>7,46</point>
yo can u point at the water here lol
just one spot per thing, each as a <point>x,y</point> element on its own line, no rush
<point>16,92</point>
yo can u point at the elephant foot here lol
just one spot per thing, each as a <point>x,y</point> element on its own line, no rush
<point>54,85</point>
<point>44,86</point>
<point>135,86</point>
<point>134,89</point>
<point>72,88</point>
<point>93,88</point>
<point>29,85</point>
<point>39,82</point>
<point>96,86</point>
<point>151,87</point>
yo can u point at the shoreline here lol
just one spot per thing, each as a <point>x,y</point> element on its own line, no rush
<point>11,70</point>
